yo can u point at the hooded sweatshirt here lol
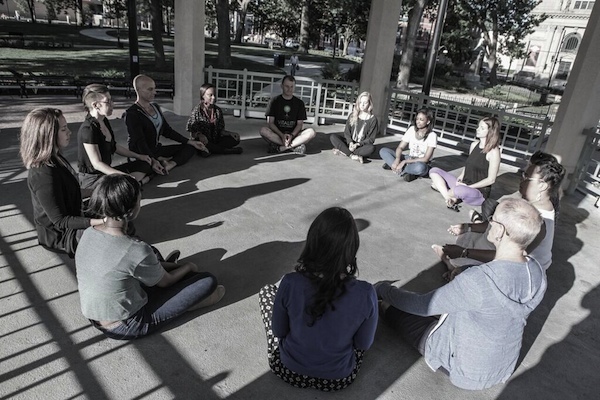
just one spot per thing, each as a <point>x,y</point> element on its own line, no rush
<point>479,340</point>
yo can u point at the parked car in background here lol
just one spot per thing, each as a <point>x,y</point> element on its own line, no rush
<point>292,44</point>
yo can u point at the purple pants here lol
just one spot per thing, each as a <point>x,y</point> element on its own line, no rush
<point>472,197</point>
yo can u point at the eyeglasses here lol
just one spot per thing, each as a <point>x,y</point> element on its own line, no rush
<point>526,177</point>
<point>491,219</point>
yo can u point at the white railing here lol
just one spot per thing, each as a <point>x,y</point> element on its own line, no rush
<point>247,95</point>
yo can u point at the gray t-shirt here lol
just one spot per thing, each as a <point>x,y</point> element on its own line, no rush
<point>110,271</point>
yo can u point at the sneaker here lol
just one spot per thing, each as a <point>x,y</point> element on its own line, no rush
<point>234,150</point>
<point>273,148</point>
<point>385,166</point>
<point>173,256</point>
<point>299,149</point>
<point>409,177</point>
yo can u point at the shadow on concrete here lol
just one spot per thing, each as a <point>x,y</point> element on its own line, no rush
<point>156,225</point>
<point>572,358</point>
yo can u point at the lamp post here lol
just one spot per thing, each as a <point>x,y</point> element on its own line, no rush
<point>432,53</point>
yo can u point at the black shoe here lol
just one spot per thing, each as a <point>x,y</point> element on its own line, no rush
<point>409,177</point>
<point>173,256</point>
<point>385,166</point>
<point>273,148</point>
<point>234,150</point>
<point>203,153</point>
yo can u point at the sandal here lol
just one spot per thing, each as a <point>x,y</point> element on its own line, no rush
<point>476,217</point>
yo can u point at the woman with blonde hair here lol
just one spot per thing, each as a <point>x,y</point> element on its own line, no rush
<point>361,130</point>
<point>474,183</point>
<point>97,143</point>
<point>55,191</point>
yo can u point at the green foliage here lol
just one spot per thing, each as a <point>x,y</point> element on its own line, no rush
<point>332,71</point>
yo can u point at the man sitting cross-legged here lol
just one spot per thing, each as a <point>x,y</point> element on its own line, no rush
<point>146,124</point>
<point>285,116</point>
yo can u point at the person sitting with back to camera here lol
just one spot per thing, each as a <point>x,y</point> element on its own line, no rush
<point>285,117</point>
<point>421,141</point>
<point>55,192</point>
<point>146,124</point>
<point>124,290</point>
<point>97,144</point>
<point>472,328</point>
<point>207,125</point>
<point>540,184</point>
<point>474,184</point>
<point>321,319</point>
<point>360,132</point>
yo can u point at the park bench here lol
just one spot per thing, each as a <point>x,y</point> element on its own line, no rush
<point>12,39</point>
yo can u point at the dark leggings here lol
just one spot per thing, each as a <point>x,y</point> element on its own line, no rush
<point>179,153</point>
<point>411,327</point>
<point>340,143</point>
<point>163,306</point>
<point>221,144</point>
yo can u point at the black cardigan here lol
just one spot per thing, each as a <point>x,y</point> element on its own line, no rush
<point>142,133</point>
<point>57,205</point>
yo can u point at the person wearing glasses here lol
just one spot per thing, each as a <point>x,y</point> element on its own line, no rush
<point>540,186</point>
<point>474,184</point>
<point>97,143</point>
<point>52,182</point>
<point>472,328</point>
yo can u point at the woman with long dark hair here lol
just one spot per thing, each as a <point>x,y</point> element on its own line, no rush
<point>474,184</point>
<point>125,291</point>
<point>421,141</point>
<point>321,319</point>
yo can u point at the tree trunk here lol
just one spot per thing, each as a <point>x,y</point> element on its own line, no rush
<point>346,42</point>
<point>157,29</point>
<point>223,41</point>
<point>408,46</point>
<point>239,32</point>
<point>304,27</point>
<point>31,6</point>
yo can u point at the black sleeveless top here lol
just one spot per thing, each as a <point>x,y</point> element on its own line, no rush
<point>476,169</point>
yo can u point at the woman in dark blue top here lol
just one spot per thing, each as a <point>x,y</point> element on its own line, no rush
<point>321,319</point>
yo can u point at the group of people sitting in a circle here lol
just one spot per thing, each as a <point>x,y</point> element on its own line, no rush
<point>319,319</point>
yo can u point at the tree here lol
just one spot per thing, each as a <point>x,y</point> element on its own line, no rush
<point>510,19</point>
<point>415,15</point>
<point>305,25</point>
<point>223,40</point>
<point>242,11</point>
<point>157,31</point>
<point>25,5</point>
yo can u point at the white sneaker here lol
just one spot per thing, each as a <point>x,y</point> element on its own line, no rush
<point>299,149</point>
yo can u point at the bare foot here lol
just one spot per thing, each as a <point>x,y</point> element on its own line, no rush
<point>338,152</point>
<point>357,158</point>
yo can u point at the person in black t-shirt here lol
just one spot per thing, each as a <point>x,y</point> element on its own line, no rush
<point>285,118</point>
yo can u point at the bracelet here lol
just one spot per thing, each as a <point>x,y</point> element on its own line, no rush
<point>465,253</point>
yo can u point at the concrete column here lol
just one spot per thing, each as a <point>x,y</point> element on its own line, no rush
<point>189,54</point>
<point>379,55</point>
<point>580,104</point>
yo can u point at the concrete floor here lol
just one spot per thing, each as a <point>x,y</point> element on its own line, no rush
<point>244,218</point>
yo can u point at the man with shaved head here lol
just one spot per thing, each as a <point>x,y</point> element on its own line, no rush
<point>146,124</point>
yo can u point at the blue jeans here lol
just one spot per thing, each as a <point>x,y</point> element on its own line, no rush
<point>417,168</point>
<point>163,306</point>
